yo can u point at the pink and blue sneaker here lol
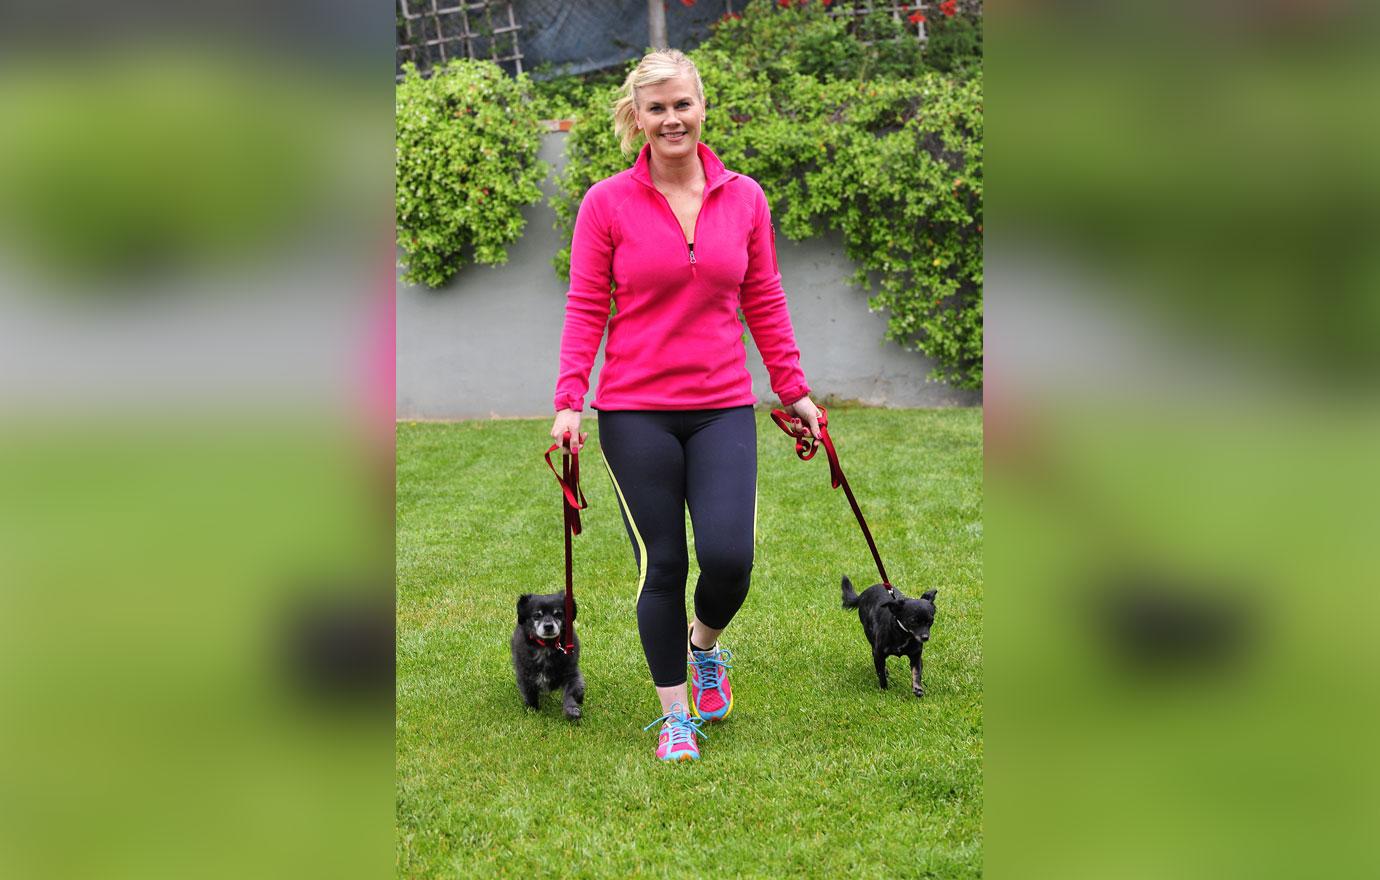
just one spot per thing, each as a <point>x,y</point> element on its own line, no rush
<point>711,698</point>
<point>677,741</point>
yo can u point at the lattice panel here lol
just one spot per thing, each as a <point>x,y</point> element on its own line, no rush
<point>432,32</point>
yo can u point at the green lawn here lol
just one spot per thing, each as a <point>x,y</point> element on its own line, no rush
<point>817,773</point>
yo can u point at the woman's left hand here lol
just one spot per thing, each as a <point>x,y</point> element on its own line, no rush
<point>805,410</point>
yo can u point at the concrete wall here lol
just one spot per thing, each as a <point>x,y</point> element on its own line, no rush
<point>488,344</point>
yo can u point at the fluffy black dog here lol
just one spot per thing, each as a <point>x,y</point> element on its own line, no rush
<point>895,626</point>
<point>538,660</point>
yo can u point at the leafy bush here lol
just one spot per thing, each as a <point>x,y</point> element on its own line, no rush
<point>954,43</point>
<point>466,165</point>
<point>591,154</point>
<point>843,136</point>
<point>781,43</point>
<point>561,97</point>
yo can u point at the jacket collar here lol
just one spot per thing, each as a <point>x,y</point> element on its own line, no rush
<point>714,171</point>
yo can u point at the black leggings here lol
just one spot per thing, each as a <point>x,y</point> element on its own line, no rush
<point>661,461</point>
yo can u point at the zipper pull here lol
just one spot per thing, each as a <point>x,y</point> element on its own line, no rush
<point>692,253</point>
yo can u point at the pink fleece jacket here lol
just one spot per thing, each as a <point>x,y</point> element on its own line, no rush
<point>675,341</point>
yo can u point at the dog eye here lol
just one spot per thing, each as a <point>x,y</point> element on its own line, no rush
<point>558,614</point>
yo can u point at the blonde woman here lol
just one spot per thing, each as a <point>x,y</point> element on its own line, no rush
<point>687,243</point>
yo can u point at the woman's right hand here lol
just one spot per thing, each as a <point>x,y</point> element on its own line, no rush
<point>568,420</point>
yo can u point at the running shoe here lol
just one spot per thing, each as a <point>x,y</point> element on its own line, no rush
<point>711,698</point>
<point>677,741</point>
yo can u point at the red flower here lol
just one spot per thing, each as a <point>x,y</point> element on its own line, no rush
<point>825,2</point>
<point>917,18</point>
<point>784,4</point>
<point>687,2</point>
<point>949,7</point>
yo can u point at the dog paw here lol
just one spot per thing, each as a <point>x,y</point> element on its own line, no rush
<point>918,691</point>
<point>573,713</point>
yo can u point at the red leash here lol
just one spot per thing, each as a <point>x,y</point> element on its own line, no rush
<point>806,445</point>
<point>573,500</point>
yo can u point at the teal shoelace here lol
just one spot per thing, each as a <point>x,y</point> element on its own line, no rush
<point>708,664</point>
<point>680,725</point>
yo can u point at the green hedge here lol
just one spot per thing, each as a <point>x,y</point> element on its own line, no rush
<point>847,136</point>
<point>466,166</point>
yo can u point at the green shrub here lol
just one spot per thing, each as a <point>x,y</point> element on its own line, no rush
<point>561,97</point>
<point>847,137</point>
<point>954,43</point>
<point>781,43</point>
<point>466,165</point>
<point>591,154</point>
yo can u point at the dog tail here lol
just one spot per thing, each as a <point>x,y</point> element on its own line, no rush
<point>850,598</point>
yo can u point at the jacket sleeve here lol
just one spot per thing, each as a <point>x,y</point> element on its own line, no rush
<point>586,303</point>
<point>764,306</point>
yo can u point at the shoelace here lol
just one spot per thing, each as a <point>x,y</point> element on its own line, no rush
<point>680,725</point>
<point>707,664</point>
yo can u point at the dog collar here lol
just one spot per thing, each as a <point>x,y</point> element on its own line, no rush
<point>548,643</point>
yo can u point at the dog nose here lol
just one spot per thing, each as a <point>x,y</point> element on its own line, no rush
<point>925,637</point>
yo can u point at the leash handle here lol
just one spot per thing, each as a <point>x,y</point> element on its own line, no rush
<point>806,445</point>
<point>572,502</point>
<point>568,477</point>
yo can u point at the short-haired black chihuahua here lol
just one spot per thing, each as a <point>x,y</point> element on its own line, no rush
<point>895,626</point>
<point>538,661</point>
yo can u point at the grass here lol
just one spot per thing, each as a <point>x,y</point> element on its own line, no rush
<point>817,773</point>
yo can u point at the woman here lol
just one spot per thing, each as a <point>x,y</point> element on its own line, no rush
<point>687,243</point>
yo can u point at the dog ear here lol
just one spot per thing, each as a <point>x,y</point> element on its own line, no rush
<point>524,603</point>
<point>929,594</point>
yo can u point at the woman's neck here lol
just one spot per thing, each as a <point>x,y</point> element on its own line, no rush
<point>684,174</point>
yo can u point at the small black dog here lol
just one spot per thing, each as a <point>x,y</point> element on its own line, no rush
<point>895,626</point>
<point>538,661</point>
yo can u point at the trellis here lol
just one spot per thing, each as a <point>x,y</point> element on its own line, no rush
<point>432,32</point>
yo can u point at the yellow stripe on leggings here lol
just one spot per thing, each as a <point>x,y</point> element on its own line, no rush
<point>641,547</point>
<point>754,518</point>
